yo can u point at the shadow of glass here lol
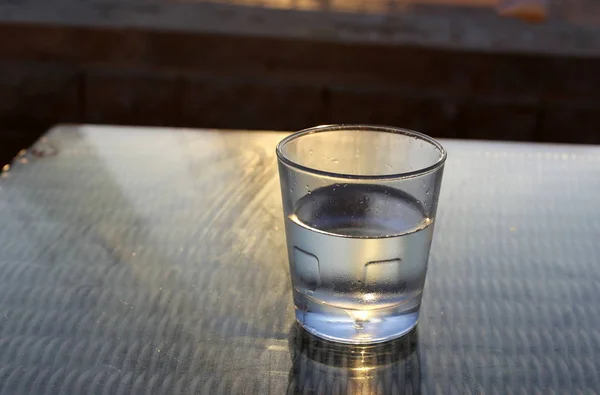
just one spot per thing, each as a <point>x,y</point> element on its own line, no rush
<point>323,367</point>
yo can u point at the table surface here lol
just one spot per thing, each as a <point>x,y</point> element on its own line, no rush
<point>152,261</point>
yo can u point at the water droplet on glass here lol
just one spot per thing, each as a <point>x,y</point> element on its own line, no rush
<point>427,192</point>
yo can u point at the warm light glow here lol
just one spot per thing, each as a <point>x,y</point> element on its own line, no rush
<point>356,6</point>
<point>360,315</point>
<point>363,369</point>
<point>370,297</point>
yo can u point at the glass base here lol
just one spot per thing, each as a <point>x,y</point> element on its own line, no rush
<point>356,331</point>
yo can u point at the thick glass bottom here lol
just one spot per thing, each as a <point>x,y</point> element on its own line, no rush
<point>357,330</point>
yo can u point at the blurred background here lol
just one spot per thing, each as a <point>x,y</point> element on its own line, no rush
<point>526,70</point>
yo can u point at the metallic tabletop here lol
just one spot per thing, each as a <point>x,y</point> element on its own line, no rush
<point>153,261</point>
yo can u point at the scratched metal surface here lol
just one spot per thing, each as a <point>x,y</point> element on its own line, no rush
<point>152,261</point>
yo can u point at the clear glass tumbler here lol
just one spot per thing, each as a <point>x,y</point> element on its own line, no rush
<point>359,204</point>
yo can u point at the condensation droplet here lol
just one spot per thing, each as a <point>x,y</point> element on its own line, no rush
<point>427,192</point>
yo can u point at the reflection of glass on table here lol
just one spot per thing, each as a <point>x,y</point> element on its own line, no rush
<point>320,366</point>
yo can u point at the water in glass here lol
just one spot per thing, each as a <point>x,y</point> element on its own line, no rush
<point>358,259</point>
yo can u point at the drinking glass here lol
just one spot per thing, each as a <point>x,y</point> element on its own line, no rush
<point>359,204</point>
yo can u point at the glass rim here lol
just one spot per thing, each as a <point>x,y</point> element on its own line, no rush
<point>370,128</point>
